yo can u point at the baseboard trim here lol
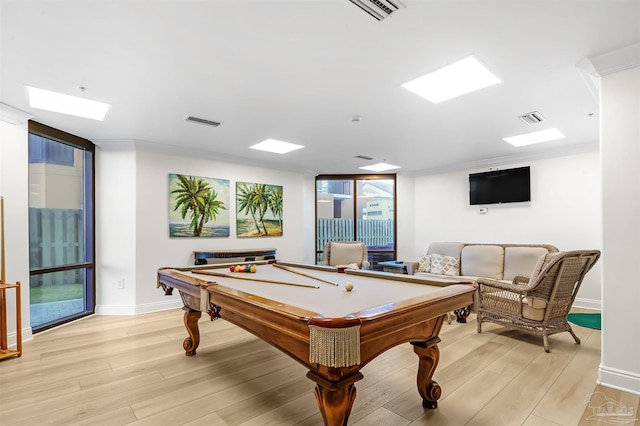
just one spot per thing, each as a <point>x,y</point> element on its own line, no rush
<point>626,381</point>
<point>12,338</point>
<point>594,304</point>
<point>145,308</point>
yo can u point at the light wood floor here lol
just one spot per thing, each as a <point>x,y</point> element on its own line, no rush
<point>131,370</point>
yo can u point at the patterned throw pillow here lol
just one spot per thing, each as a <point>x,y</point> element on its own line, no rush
<point>445,265</point>
<point>424,263</point>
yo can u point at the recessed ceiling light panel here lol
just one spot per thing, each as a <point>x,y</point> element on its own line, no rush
<point>380,167</point>
<point>451,81</point>
<point>535,137</point>
<point>66,104</point>
<point>276,146</point>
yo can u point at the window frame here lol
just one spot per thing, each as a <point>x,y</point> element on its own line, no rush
<point>74,141</point>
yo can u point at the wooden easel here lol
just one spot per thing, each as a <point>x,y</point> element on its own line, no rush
<point>5,352</point>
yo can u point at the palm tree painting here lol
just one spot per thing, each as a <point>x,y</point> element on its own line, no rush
<point>198,206</point>
<point>258,210</point>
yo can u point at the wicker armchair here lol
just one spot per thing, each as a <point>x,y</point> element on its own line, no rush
<point>539,304</point>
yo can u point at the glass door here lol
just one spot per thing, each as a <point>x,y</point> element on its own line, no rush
<point>61,232</point>
<point>357,208</point>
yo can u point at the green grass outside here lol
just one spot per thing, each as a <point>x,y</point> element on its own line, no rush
<point>56,293</point>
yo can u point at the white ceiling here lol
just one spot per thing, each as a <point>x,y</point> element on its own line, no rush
<point>300,70</point>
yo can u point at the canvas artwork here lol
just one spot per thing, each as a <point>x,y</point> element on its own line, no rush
<point>258,210</point>
<point>198,206</point>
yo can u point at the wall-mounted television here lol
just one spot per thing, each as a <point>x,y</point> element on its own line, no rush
<point>500,186</point>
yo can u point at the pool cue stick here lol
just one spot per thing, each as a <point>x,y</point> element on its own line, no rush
<point>244,277</point>
<point>286,268</point>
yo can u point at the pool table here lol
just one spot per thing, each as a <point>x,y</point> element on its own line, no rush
<point>307,313</point>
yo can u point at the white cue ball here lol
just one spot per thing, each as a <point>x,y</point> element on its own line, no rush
<point>348,286</point>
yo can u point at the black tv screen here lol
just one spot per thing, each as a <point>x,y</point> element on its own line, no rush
<point>500,186</point>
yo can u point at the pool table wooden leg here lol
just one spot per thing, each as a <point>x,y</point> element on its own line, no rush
<point>462,314</point>
<point>429,356</point>
<point>190,344</point>
<point>335,399</point>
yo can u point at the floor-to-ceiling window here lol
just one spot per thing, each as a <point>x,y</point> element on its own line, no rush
<point>357,208</point>
<point>61,231</point>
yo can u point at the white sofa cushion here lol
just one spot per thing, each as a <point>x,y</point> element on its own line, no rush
<point>446,249</point>
<point>521,260</point>
<point>445,265</point>
<point>482,261</point>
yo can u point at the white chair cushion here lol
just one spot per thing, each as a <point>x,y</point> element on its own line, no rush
<point>344,254</point>
<point>533,308</point>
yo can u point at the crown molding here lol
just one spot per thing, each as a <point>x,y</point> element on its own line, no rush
<point>13,115</point>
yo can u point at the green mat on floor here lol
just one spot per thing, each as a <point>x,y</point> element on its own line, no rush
<point>585,320</point>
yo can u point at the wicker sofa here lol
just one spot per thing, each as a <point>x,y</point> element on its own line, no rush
<point>456,261</point>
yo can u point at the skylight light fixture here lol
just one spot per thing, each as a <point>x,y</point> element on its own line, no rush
<point>535,137</point>
<point>66,104</point>
<point>380,167</point>
<point>276,146</point>
<point>453,80</point>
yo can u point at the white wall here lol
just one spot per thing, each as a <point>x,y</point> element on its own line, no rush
<point>132,191</point>
<point>116,207</point>
<point>565,211</point>
<point>14,177</point>
<point>620,146</point>
<point>405,216</point>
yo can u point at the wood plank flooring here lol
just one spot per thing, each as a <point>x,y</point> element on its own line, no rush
<point>131,370</point>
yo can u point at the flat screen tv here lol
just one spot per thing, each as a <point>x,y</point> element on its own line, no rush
<point>500,186</point>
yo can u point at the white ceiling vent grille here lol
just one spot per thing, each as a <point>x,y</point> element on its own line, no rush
<point>379,9</point>
<point>532,118</point>
<point>201,121</point>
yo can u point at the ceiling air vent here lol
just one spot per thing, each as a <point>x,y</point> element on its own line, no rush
<point>379,9</point>
<point>201,121</point>
<point>364,157</point>
<point>532,118</point>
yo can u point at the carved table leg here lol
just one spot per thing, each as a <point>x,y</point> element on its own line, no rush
<point>462,314</point>
<point>190,344</point>
<point>429,356</point>
<point>168,291</point>
<point>335,399</point>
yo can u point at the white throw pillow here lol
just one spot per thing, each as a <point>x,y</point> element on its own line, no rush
<point>424,263</point>
<point>445,265</point>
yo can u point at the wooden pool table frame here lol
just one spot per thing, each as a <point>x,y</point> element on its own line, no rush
<point>286,327</point>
